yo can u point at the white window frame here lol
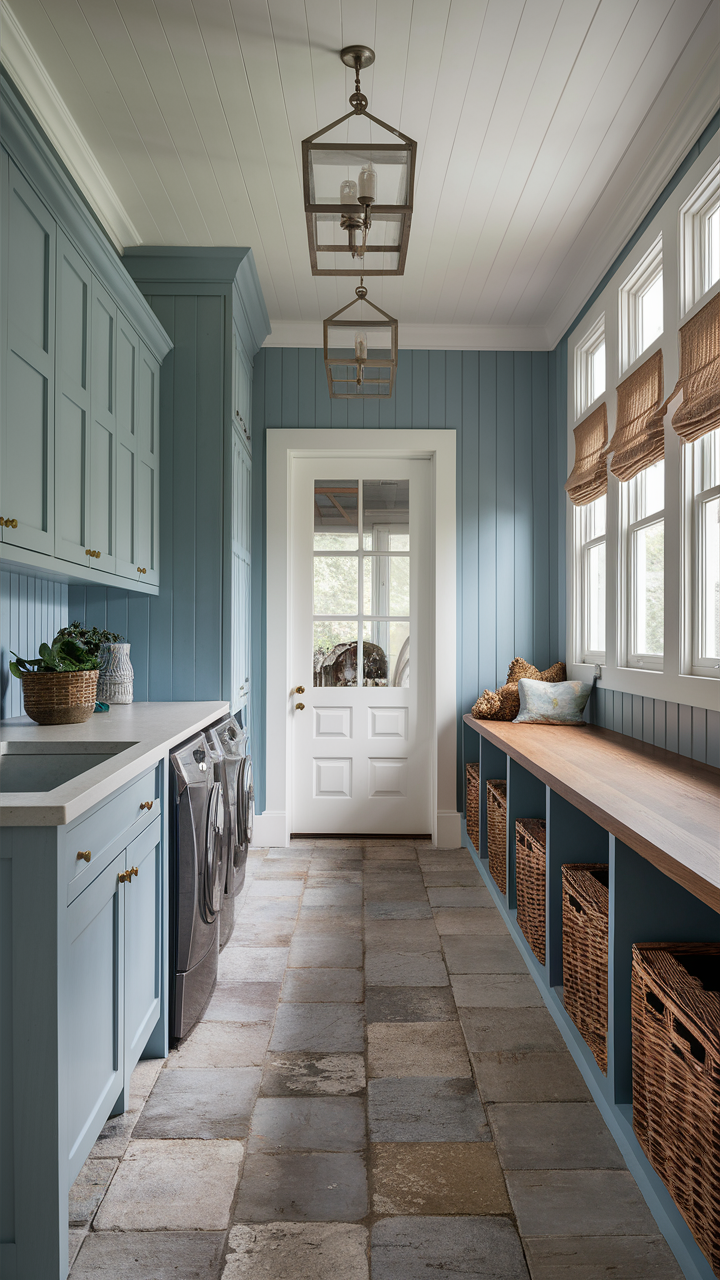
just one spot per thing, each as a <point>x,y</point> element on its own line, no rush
<point>641,278</point>
<point>627,577</point>
<point>583,546</point>
<point>694,567</point>
<point>695,216</point>
<point>584,352</point>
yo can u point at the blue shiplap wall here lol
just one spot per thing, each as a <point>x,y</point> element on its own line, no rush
<point>32,610</point>
<point>691,731</point>
<point>509,458</point>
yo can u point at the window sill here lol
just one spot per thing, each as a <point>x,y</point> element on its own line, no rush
<point>690,691</point>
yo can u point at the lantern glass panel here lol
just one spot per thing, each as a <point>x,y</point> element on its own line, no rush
<point>330,164</point>
<point>341,340</point>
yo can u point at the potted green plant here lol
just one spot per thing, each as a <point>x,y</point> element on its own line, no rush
<point>115,682</point>
<point>59,686</point>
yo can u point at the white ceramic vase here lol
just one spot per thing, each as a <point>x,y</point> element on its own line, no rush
<point>115,680</point>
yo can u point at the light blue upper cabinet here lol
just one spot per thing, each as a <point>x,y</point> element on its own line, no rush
<point>72,404</point>
<point>148,473</point>
<point>103,454</point>
<point>127,379</point>
<point>27,436</point>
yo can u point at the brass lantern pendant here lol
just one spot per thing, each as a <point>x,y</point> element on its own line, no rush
<point>361,353</point>
<point>358,194</point>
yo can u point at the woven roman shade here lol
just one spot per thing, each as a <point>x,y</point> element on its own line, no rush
<point>588,478</point>
<point>699,374</point>
<point>638,440</point>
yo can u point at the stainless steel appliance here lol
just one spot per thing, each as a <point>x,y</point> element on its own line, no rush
<point>229,744</point>
<point>197,822</point>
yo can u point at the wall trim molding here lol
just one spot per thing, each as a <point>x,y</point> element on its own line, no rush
<point>52,114</point>
<point>423,337</point>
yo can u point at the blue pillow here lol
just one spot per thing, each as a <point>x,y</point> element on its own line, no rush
<point>543,703</point>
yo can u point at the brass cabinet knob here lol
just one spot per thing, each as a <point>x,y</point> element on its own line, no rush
<point>88,552</point>
<point>141,570</point>
<point>132,872</point>
<point>85,854</point>
<point>8,524</point>
<point>124,877</point>
<point>300,689</point>
<point>147,804</point>
<point>95,554</point>
<point>299,706</point>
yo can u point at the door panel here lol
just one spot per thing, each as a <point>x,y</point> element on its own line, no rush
<point>126,547</point>
<point>102,499</point>
<point>148,407</point>
<point>72,413</point>
<point>361,627</point>
<point>143,942</point>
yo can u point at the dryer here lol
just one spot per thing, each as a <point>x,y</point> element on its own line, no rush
<point>230,748</point>
<point>196,882</point>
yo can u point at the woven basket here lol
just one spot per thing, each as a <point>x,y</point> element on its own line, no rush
<point>472,803</point>
<point>585,952</point>
<point>530,877</point>
<point>497,822</point>
<point>676,1077</point>
<point>59,697</point>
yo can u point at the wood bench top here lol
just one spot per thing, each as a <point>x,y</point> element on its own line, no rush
<point>663,805</point>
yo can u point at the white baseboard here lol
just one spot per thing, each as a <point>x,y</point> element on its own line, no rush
<point>269,830</point>
<point>449,829</point>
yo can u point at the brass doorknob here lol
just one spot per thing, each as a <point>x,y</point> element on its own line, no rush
<point>146,804</point>
<point>300,689</point>
<point>85,854</point>
<point>299,706</point>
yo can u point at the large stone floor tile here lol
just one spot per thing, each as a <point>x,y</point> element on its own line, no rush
<point>325,953</point>
<point>496,991</point>
<point>222,1044</point>
<point>264,890</point>
<point>473,921</point>
<point>143,1078</point>
<point>484,953</point>
<point>323,878</point>
<point>329,1028</point>
<point>451,877</point>
<point>425,1109</point>
<point>437,1177</point>
<point>243,1002</point>
<point>88,1190</point>
<point>323,985</point>
<point>412,1048</point>
<point>307,1124</point>
<point>339,895</point>
<point>599,1257</point>
<point>303,1187</point>
<point>287,868</point>
<point>172,1186</point>
<point>252,964</point>
<point>207,1102</point>
<point>150,1255</point>
<point>465,897</point>
<point>409,1004</point>
<point>410,892</point>
<point>398,910</point>
<point>529,1077</point>
<point>471,1248</point>
<point>268,934</point>
<point>115,1134</point>
<point>405,969</point>
<point>343,916</point>
<point>519,1030</point>
<point>553,1135</point>
<point>302,848</point>
<point>297,1251</point>
<point>288,1075</point>
<point>401,935</point>
<point>559,1202</point>
<point>390,852</point>
<point>321,923</point>
<point>275,913</point>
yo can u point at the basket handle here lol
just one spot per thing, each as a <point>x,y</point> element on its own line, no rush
<point>689,1041</point>
<point>655,1002</point>
<point>576,906</point>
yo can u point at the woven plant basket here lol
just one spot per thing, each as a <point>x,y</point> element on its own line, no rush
<point>676,1077</point>
<point>530,877</point>
<point>497,822</point>
<point>472,803</point>
<point>585,952</point>
<point>59,697</point>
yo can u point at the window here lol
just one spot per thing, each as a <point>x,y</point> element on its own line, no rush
<point>590,367</point>
<point>700,239</point>
<point>703,460</point>
<point>642,507</point>
<point>641,306</point>
<point>590,526</point>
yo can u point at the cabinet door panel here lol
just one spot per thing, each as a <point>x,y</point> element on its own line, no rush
<point>70,480</point>
<point>143,942</point>
<point>72,406</point>
<point>93,993</point>
<point>102,430</point>
<point>27,439</point>
<point>125,526</point>
<point>126,491</point>
<point>148,450</point>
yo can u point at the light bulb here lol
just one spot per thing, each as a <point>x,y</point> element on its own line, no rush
<point>348,191</point>
<point>361,345</point>
<point>367,182</point>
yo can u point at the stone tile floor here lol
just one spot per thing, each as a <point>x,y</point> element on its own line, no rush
<point>376,1090</point>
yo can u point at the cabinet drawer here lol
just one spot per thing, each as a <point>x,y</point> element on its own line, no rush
<point>109,829</point>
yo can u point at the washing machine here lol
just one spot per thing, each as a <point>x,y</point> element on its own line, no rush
<point>228,743</point>
<point>197,875</point>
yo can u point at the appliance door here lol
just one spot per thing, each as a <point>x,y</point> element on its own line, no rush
<point>211,877</point>
<point>245,805</point>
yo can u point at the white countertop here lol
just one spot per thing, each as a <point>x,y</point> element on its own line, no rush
<point>150,728</point>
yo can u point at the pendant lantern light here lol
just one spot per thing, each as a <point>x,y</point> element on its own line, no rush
<point>361,352</point>
<point>358,194</point>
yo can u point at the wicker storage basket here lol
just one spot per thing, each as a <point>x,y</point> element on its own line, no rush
<point>585,952</point>
<point>530,878</point>
<point>676,1077</point>
<point>497,822</point>
<point>472,802</point>
<point>59,697</point>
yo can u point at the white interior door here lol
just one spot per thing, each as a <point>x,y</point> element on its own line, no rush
<point>360,606</point>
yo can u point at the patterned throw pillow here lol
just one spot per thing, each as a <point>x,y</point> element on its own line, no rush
<point>542,703</point>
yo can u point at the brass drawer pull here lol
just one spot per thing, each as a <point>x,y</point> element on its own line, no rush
<point>124,877</point>
<point>133,872</point>
<point>141,570</point>
<point>96,554</point>
<point>147,804</point>
<point>8,524</point>
<point>85,854</point>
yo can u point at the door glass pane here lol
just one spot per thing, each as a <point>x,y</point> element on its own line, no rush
<point>386,514</point>
<point>386,654</point>
<point>386,586</point>
<point>710,586</point>
<point>336,585</point>
<point>649,565</point>
<point>336,515</point>
<point>335,654</point>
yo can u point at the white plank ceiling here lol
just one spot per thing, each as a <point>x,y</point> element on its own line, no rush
<point>545,129</point>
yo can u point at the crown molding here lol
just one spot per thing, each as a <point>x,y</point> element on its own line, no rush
<point>423,337</point>
<point>53,116</point>
<point>683,130</point>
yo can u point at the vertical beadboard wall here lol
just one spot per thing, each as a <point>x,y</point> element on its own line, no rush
<point>691,731</point>
<point>32,610</point>
<point>509,460</point>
